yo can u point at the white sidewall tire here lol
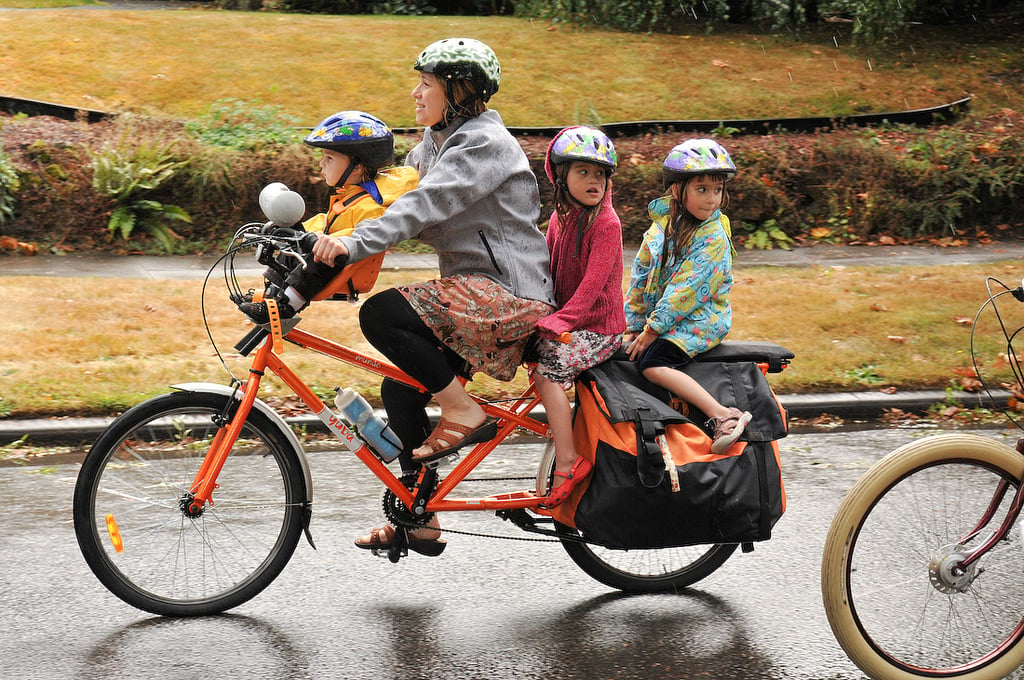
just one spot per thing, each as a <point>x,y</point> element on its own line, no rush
<point>848,518</point>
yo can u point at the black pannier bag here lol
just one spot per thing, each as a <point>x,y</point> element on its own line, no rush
<point>655,482</point>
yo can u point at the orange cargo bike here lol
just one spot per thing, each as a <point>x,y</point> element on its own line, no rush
<point>192,502</point>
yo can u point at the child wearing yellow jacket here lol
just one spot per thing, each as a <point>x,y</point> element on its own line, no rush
<point>355,146</point>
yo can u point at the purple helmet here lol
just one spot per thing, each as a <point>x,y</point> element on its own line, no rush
<point>586,144</point>
<point>697,157</point>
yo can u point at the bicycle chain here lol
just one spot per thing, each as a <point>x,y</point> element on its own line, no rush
<point>396,513</point>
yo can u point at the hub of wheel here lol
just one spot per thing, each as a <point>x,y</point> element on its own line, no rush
<point>945,573</point>
<point>189,507</point>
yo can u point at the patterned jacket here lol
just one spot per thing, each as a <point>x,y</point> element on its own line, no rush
<point>685,299</point>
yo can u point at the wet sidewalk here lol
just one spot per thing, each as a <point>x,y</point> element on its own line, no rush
<point>196,267</point>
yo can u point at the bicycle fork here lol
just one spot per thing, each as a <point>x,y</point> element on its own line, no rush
<point>952,567</point>
<point>200,493</point>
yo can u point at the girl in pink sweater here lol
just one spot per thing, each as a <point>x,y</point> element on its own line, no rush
<point>585,239</point>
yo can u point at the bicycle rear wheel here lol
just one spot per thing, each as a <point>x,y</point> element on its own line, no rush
<point>893,596</point>
<point>131,508</point>
<point>646,571</point>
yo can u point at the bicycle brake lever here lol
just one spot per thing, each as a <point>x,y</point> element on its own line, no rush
<point>1018,292</point>
<point>298,256</point>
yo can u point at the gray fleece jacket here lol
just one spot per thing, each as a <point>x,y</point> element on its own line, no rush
<point>477,204</point>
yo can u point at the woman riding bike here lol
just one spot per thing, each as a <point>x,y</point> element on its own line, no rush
<point>478,205</point>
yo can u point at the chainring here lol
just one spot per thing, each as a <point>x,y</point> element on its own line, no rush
<point>396,512</point>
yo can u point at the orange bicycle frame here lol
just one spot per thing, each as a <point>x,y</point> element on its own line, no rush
<point>265,357</point>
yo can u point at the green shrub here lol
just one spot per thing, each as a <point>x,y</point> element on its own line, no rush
<point>248,125</point>
<point>127,175</point>
<point>835,186</point>
<point>9,186</point>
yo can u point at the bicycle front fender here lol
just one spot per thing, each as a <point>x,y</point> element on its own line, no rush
<point>271,415</point>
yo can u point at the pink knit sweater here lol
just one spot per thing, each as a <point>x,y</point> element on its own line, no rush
<point>588,287</point>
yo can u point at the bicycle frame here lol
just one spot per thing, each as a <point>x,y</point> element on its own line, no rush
<point>972,555</point>
<point>267,357</point>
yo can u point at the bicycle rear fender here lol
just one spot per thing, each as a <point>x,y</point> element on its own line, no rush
<point>271,415</point>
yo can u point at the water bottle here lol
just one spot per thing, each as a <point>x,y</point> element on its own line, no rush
<point>372,429</point>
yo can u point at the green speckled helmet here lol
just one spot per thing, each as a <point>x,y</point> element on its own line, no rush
<point>462,59</point>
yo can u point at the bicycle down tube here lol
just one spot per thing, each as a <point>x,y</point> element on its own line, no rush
<point>266,358</point>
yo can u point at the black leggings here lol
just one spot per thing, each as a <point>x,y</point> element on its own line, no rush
<point>390,324</point>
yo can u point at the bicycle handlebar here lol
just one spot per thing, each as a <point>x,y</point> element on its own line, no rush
<point>273,240</point>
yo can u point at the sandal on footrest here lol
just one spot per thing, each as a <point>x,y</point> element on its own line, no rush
<point>449,437</point>
<point>384,537</point>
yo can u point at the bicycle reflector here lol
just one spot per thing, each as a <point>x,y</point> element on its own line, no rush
<point>115,534</point>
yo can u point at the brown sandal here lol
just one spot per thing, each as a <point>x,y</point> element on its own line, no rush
<point>449,437</point>
<point>383,537</point>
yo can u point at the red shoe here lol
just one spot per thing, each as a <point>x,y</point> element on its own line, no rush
<point>579,470</point>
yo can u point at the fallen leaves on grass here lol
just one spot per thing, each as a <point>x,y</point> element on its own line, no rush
<point>13,245</point>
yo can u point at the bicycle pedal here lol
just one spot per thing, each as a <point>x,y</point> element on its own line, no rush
<point>386,552</point>
<point>286,324</point>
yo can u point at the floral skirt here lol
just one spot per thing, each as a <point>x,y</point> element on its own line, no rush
<point>478,319</point>
<point>561,362</point>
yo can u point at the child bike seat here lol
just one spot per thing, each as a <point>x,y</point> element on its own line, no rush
<point>354,279</point>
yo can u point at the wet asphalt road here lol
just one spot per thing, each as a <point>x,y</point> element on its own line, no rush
<point>487,608</point>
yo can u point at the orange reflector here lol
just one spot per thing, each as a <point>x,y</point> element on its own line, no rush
<point>115,534</point>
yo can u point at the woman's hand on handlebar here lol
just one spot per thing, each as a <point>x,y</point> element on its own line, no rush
<point>328,249</point>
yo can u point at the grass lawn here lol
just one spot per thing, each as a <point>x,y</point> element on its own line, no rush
<point>176,63</point>
<point>851,328</point>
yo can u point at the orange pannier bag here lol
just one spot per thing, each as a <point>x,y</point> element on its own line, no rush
<point>655,482</point>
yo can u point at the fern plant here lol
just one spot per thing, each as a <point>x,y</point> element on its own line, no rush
<point>767,236</point>
<point>9,186</point>
<point>127,175</point>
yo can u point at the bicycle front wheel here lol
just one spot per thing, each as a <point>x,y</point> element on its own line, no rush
<point>646,570</point>
<point>896,600</point>
<point>132,517</point>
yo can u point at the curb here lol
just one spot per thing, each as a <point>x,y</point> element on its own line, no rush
<point>845,405</point>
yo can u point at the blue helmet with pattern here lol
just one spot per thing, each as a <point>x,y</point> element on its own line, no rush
<point>581,143</point>
<point>358,135</point>
<point>697,157</point>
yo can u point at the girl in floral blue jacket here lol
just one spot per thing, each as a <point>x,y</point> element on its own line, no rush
<point>677,305</point>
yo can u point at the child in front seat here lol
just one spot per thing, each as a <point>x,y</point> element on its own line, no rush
<point>585,239</point>
<point>355,147</point>
<point>678,305</point>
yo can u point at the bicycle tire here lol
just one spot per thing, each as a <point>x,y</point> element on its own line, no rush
<point>884,575</point>
<point>646,570</point>
<point>172,564</point>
